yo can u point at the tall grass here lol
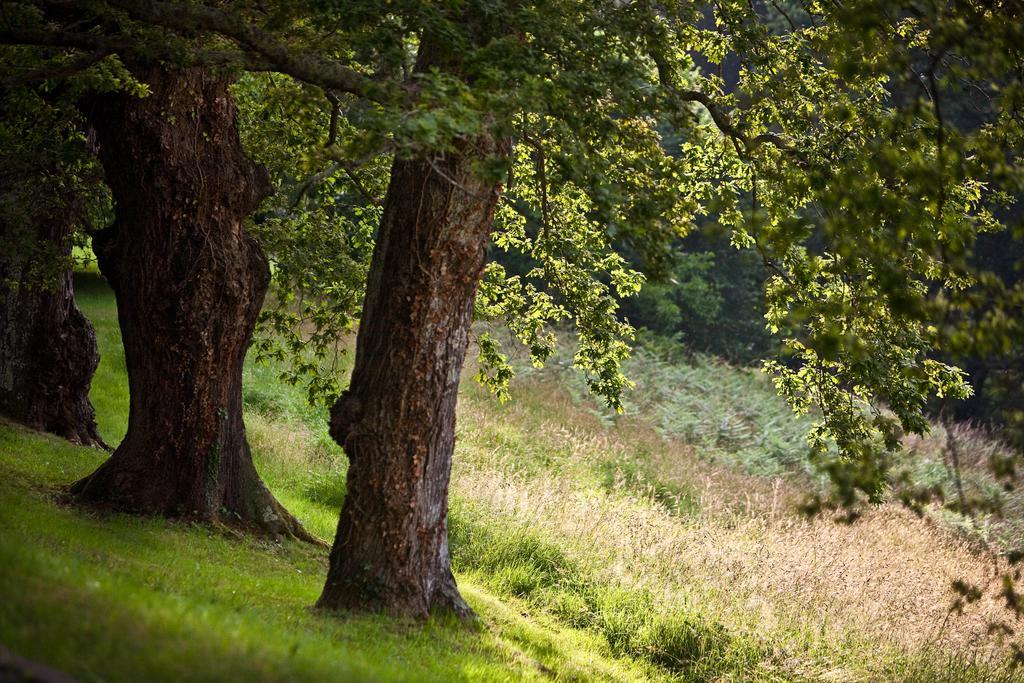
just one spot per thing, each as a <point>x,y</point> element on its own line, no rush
<point>732,415</point>
<point>514,560</point>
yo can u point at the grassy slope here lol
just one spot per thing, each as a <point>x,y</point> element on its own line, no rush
<point>591,550</point>
<point>798,599</point>
<point>125,599</point>
<point>734,417</point>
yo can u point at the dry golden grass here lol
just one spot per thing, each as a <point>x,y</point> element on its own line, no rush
<point>975,446</point>
<point>747,556</point>
<point>887,576</point>
<point>989,475</point>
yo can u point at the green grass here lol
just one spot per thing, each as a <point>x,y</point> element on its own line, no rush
<point>637,477</point>
<point>730,414</point>
<point>109,393</point>
<point>516,561</point>
<point>733,416</point>
<point>117,598</point>
<point>524,451</point>
<point>120,598</point>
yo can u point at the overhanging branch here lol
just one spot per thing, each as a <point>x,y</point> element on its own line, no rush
<point>99,46</point>
<point>259,49</point>
<point>720,115</point>
<point>304,66</point>
<point>63,70</point>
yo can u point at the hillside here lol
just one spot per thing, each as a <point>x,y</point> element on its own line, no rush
<point>662,545</point>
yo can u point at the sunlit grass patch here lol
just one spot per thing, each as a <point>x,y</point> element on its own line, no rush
<point>515,561</point>
<point>120,598</point>
<point>123,598</point>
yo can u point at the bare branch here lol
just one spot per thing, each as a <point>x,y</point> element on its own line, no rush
<point>540,164</point>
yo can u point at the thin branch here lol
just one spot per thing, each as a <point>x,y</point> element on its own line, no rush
<point>306,185</point>
<point>358,184</point>
<point>54,71</point>
<point>789,19</point>
<point>304,66</point>
<point>720,115</point>
<point>332,129</point>
<point>317,178</point>
<point>940,136</point>
<point>766,259</point>
<point>540,164</point>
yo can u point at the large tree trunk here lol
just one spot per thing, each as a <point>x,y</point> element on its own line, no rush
<point>47,347</point>
<point>397,419</point>
<point>189,282</point>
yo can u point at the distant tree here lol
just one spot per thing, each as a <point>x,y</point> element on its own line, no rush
<point>711,300</point>
<point>49,191</point>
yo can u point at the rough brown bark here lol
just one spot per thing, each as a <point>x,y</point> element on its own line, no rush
<point>396,421</point>
<point>47,347</point>
<point>189,282</point>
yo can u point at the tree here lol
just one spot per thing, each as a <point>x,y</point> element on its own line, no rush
<point>48,348</point>
<point>189,282</point>
<point>451,157</point>
<point>396,420</point>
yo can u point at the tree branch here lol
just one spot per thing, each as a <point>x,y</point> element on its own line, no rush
<point>789,19</point>
<point>720,115</point>
<point>304,66</point>
<point>96,44</point>
<point>69,68</point>
<point>332,130</point>
<point>348,169</point>
<point>68,39</point>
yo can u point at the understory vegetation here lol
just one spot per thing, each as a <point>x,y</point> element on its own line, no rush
<point>590,546</point>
